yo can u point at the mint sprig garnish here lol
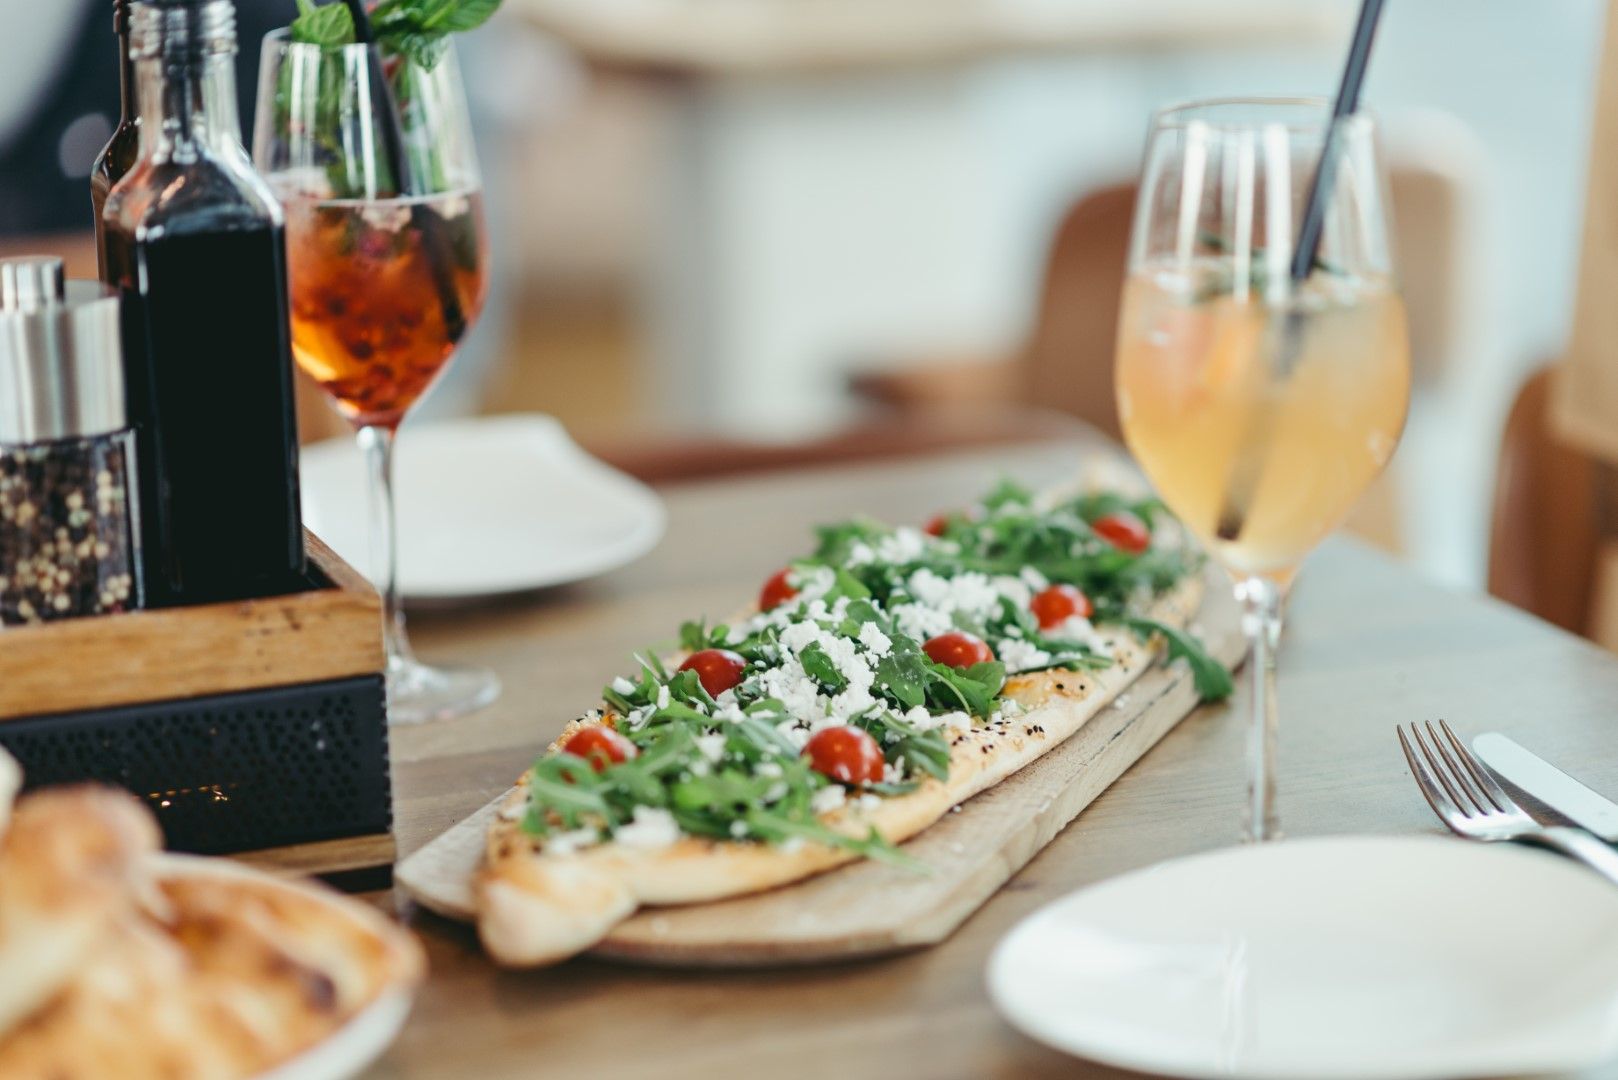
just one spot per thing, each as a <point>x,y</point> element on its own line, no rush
<point>416,29</point>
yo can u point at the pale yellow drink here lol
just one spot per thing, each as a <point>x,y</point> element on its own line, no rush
<point>1201,383</point>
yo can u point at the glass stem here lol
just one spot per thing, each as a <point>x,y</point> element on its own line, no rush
<point>377,442</point>
<point>1261,620</point>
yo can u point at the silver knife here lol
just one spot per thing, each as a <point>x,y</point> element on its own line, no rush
<point>1549,785</point>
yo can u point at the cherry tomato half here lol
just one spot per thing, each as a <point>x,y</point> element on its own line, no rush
<point>846,754</point>
<point>600,746</point>
<point>717,669</point>
<point>936,525</point>
<point>1059,603</point>
<point>1124,531</point>
<point>957,649</point>
<point>777,591</point>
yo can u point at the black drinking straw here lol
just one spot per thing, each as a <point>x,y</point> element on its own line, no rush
<point>1249,465</point>
<point>440,257</point>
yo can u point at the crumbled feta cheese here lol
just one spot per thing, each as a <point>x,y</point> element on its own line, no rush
<point>793,732</point>
<point>652,829</point>
<point>920,621</point>
<point>1022,656</point>
<point>868,802</point>
<point>1080,631</point>
<point>791,685</point>
<point>893,773</point>
<point>711,746</point>
<point>621,685</point>
<point>769,768</point>
<point>905,545</point>
<point>738,829</point>
<point>1013,589</point>
<point>800,635</point>
<point>1032,578</point>
<point>874,640</point>
<point>859,554</point>
<point>662,697</point>
<point>829,798</point>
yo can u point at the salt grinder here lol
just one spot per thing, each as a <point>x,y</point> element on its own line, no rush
<point>66,449</point>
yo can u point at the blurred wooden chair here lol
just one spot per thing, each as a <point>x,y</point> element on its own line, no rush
<point>1551,546</point>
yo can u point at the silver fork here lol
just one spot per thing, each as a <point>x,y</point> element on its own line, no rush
<point>1467,798</point>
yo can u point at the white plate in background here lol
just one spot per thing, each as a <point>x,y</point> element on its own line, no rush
<point>1349,958</point>
<point>487,506</point>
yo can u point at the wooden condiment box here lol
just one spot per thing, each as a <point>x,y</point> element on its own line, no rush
<point>256,727</point>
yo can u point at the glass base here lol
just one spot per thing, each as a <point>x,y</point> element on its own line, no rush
<point>418,692</point>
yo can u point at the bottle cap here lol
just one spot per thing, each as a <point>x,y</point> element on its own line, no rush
<point>61,360</point>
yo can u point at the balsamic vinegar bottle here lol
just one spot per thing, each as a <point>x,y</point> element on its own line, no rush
<point>118,156</point>
<point>195,243</point>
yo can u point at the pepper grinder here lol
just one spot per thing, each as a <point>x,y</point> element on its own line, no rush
<point>67,535</point>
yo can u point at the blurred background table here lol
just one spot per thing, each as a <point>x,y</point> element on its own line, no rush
<point>828,149</point>
<point>1369,645</point>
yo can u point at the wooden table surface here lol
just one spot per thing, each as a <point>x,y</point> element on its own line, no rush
<point>1369,644</point>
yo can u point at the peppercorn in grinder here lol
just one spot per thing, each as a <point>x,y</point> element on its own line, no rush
<point>67,469</point>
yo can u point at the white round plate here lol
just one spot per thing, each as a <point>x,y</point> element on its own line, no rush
<point>1352,957</point>
<point>363,1038</point>
<point>487,506</point>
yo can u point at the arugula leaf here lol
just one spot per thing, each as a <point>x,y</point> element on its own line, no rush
<point>1211,678</point>
<point>819,667</point>
<point>1006,493</point>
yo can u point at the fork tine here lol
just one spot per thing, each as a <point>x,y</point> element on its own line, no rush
<point>1485,779</point>
<point>1460,774</point>
<point>1443,768</point>
<point>1441,803</point>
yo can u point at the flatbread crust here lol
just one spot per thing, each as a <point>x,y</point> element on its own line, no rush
<point>537,908</point>
<point>69,873</point>
<point>238,972</point>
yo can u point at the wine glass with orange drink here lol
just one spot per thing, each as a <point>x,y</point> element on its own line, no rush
<point>1260,401</point>
<point>374,166</point>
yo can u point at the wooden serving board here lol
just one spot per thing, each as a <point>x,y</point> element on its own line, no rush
<point>866,908</point>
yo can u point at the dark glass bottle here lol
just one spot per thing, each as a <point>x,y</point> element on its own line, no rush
<point>118,156</point>
<point>196,245</point>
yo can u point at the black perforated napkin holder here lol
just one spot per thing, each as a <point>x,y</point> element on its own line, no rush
<point>257,726</point>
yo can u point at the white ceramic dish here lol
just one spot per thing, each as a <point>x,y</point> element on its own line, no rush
<point>487,506</point>
<point>1351,958</point>
<point>352,1048</point>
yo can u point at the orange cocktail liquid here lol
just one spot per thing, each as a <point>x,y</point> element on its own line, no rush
<point>1206,375</point>
<point>368,282</point>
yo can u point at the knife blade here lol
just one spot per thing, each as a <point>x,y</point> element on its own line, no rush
<point>1548,784</point>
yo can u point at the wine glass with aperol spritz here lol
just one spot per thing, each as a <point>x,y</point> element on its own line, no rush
<point>386,259</point>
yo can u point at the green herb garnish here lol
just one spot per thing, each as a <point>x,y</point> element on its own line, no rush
<point>417,29</point>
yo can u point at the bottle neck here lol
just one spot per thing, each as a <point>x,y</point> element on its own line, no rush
<point>126,66</point>
<point>185,78</point>
<point>187,108</point>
